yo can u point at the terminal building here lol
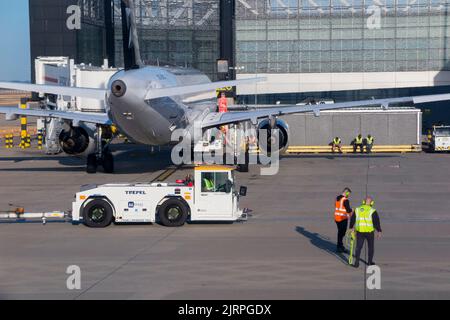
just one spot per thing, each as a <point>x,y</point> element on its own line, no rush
<point>308,49</point>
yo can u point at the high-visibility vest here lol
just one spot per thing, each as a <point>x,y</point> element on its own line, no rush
<point>337,141</point>
<point>223,105</point>
<point>364,221</point>
<point>209,186</point>
<point>358,140</point>
<point>370,140</point>
<point>340,213</point>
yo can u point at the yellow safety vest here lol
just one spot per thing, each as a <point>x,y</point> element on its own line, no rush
<point>209,186</point>
<point>370,140</point>
<point>337,141</point>
<point>363,217</point>
<point>358,140</point>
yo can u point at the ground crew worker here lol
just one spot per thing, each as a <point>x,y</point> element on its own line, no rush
<point>365,221</point>
<point>223,107</point>
<point>341,214</point>
<point>208,185</point>
<point>336,144</point>
<point>223,103</point>
<point>358,143</point>
<point>369,143</point>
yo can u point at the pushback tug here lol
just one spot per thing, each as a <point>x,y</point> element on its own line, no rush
<point>212,196</point>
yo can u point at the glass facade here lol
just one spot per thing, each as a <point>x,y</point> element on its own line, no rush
<point>329,36</point>
<point>174,32</point>
<point>90,38</point>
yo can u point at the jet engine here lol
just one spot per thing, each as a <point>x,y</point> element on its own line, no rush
<point>282,134</point>
<point>76,141</point>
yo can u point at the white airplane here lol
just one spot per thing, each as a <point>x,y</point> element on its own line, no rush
<point>148,103</point>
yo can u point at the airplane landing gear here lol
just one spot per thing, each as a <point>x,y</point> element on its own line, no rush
<point>102,156</point>
<point>106,160</point>
<point>91,166</point>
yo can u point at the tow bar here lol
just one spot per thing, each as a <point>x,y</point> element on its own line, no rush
<point>19,215</point>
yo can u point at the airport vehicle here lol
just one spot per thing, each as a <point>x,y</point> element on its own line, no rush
<point>440,139</point>
<point>148,103</point>
<point>311,101</point>
<point>211,197</point>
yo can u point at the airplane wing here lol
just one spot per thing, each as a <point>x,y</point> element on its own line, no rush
<point>217,119</point>
<point>91,93</point>
<point>100,94</point>
<point>197,88</point>
<point>97,118</point>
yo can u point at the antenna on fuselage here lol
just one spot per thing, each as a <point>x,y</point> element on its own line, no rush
<point>131,51</point>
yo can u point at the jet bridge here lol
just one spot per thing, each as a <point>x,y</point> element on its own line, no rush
<point>64,72</point>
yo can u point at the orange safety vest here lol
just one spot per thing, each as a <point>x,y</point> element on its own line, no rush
<point>223,105</point>
<point>340,213</point>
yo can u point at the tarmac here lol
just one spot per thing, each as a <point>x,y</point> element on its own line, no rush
<point>284,251</point>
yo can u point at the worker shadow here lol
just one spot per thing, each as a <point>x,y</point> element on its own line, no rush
<point>323,244</point>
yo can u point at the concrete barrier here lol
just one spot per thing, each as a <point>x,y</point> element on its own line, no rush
<point>349,149</point>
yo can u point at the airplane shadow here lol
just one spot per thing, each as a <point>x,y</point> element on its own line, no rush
<point>129,159</point>
<point>321,243</point>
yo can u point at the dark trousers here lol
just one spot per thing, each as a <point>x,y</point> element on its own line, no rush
<point>360,237</point>
<point>369,148</point>
<point>356,146</point>
<point>334,146</point>
<point>342,229</point>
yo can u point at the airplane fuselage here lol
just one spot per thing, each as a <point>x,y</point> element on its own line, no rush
<point>153,121</point>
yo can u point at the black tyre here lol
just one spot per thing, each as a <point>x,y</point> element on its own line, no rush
<point>243,167</point>
<point>97,214</point>
<point>227,157</point>
<point>108,162</point>
<point>173,213</point>
<point>91,166</point>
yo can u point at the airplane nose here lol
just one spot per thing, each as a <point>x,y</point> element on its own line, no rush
<point>118,88</point>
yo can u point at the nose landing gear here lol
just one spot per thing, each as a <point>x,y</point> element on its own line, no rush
<point>106,160</point>
<point>102,155</point>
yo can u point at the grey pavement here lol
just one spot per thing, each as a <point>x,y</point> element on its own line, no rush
<point>284,251</point>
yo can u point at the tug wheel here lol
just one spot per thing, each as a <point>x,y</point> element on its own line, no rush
<point>108,162</point>
<point>97,214</point>
<point>173,213</point>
